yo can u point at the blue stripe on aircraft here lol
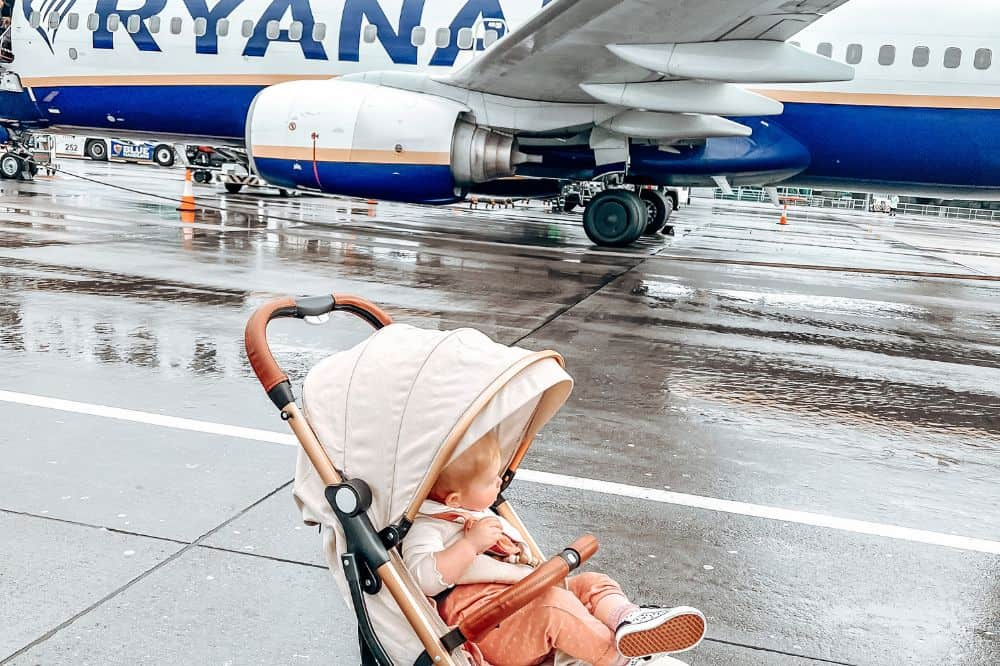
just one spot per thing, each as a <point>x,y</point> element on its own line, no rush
<point>851,143</point>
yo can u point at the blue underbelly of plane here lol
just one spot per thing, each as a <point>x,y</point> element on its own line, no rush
<point>848,144</point>
<point>949,147</point>
<point>213,112</point>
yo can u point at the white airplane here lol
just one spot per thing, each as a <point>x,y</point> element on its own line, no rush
<point>422,101</point>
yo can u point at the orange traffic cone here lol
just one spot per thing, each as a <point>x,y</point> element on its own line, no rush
<point>784,216</point>
<point>187,196</point>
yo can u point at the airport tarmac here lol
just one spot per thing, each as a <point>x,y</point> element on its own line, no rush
<point>795,429</point>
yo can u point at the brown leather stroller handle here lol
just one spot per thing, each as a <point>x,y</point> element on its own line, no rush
<point>271,376</point>
<point>475,627</point>
<point>255,341</point>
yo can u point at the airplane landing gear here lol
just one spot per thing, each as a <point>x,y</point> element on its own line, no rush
<point>615,218</point>
<point>658,210</point>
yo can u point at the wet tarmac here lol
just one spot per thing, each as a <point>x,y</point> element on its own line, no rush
<point>847,366</point>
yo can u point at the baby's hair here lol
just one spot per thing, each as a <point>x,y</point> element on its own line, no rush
<point>484,452</point>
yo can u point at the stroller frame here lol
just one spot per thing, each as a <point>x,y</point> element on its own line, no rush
<point>371,558</point>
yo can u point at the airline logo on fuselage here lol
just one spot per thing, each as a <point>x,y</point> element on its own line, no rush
<point>356,13</point>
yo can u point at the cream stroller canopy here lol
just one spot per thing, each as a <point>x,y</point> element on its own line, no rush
<point>378,424</point>
<point>388,410</point>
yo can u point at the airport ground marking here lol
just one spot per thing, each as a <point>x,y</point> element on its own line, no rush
<point>543,478</point>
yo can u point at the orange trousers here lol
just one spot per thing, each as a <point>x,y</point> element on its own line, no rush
<point>576,621</point>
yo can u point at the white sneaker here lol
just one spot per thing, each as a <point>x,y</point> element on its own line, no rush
<point>652,630</point>
<point>658,660</point>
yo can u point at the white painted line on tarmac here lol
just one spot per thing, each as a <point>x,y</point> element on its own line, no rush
<point>544,478</point>
<point>148,418</point>
<point>762,511</point>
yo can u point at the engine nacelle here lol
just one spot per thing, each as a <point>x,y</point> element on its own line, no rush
<point>365,140</point>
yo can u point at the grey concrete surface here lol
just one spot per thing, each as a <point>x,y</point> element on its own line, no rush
<point>51,571</point>
<point>209,607</point>
<point>133,477</point>
<point>847,365</point>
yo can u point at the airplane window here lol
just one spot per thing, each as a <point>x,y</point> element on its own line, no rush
<point>418,36</point>
<point>465,38</point>
<point>222,27</point>
<point>984,59</point>
<point>371,33</point>
<point>247,29</point>
<point>92,20</point>
<point>36,19</point>
<point>73,21</point>
<point>854,53</point>
<point>953,57</point>
<point>921,56</point>
<point>319,32</point>
<point>825,49</point>
<point>132,25</point>
<point>442,38</point>
<point>491,37</point>
<point>887,55</point>
<point>54,20</point>
<point>154,24</point>
<point>200,26</point>
<point>295,31</point>
<point>273,30</point>
<point>113,22</point>
<point>176,25</point>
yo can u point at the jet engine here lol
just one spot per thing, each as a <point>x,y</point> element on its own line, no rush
<point>365,140</point>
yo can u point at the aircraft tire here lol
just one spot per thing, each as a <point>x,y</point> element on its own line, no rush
<point>96,150</point>
<point>658,209</point>
<point>163,155</point>
<point>614,218</point>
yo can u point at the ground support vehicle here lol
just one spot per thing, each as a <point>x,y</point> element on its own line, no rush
<point>226,166</point>
<point>101,149</point>
<point>42,149</point>
<point>16,157</point>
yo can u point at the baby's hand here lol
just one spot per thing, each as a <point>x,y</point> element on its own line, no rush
<point>484,534</point>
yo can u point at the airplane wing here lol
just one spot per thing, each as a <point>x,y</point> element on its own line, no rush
<point>582,50</point>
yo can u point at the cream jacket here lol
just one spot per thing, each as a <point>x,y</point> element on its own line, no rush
<point>429,536</point>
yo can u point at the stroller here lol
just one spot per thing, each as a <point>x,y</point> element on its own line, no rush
<point>366,466</point>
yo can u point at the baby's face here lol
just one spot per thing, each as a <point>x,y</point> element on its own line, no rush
<point>482,490</point>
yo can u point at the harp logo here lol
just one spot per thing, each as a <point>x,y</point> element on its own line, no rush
<point>50,15</point>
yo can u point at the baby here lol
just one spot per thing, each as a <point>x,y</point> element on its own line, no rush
<point>464,556</point>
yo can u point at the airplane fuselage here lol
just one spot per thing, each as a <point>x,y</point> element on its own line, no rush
<point>180,67</point>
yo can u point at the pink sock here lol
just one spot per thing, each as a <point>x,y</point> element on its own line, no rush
<point>611,609</point>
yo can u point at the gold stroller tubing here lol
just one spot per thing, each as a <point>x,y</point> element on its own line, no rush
<point>310,444</point>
